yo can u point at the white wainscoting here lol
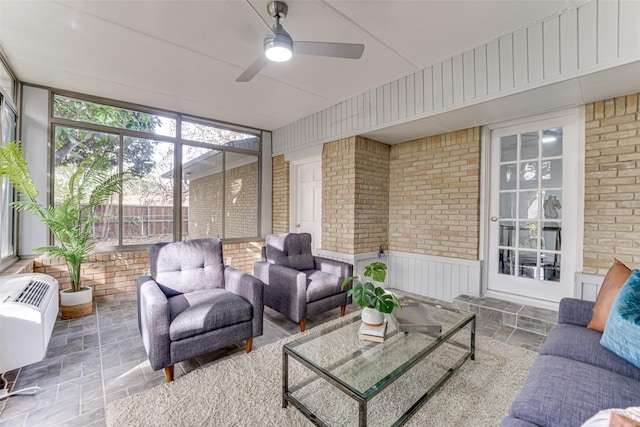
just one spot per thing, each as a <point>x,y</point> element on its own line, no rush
<point>432,276</point>
<point>437,277</point>
<point>587,286</point>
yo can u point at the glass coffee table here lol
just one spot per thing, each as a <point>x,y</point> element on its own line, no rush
<point>335,378</point>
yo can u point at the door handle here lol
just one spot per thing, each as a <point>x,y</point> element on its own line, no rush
<point>495,218</point>
<point>297,225</point>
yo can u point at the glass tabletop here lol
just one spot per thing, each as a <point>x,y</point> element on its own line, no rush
<point>364,366</point>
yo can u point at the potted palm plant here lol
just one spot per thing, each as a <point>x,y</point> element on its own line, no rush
<point>373,299</point>
<point>71,221</point>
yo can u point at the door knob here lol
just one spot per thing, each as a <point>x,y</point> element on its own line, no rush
<point>297,225</point>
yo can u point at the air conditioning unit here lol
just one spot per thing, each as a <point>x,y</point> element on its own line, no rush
<point>28,311</point>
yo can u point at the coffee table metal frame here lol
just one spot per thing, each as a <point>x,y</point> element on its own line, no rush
<point>288,350</point>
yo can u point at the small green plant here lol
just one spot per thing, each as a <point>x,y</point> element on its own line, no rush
<point>367,294</point>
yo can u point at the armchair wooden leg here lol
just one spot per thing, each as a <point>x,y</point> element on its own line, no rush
<point>249,344</point>
<point>303,324</point>
<point>168,372</point>
<point>343,309</point>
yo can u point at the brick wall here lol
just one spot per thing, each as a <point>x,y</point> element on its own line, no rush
<point>280,189</point>
<point>338,195</point>
<point>612,183</point>
<point>371,227</point>
<point>434,200</point>
<point>114,275</point>
<point>205,207</point>
<point>241,204</point>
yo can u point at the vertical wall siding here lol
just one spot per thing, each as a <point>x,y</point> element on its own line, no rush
<point>574,43</point>
<point>436,277</point>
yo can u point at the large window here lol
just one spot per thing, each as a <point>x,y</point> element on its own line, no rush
<point>189,178</point>
<point>8,132</point>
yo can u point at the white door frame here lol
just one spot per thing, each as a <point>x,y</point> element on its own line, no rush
<point>576,114</point>
<point>295,166</point>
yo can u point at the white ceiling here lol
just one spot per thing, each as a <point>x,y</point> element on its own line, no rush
<point>185,55</point>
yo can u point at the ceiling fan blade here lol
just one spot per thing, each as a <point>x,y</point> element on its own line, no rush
<point>337,50</point>
<point>253,69</point>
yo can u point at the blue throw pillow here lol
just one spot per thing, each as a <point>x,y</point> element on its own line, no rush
<point>622,330</point>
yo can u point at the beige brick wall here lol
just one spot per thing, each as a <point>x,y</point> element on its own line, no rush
<point>371,227</point>
<point>241,204</point>
<point>338,195</point>
<point>114,275</point>
<point>434,200</point>
<point>612,183</point>
<point>280,191</point>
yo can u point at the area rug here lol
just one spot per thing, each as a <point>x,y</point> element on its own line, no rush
<point>245,390</point>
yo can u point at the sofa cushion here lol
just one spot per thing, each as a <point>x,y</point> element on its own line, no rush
<point>613,281</point>
<point>291,250</point>
<point>564,392</point>
<point>321,285</point>
<point>583,345</point>
<point>622,331</point>
<point>201,311</point>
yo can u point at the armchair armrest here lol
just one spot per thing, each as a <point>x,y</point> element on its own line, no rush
<point>575,311</point>
<point>153,321</point>
<point>285,289</point>
<point>339,268</point>
<point>251,289</point>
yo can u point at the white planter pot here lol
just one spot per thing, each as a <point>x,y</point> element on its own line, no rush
<point>372,317</point>
<point>76,304</point>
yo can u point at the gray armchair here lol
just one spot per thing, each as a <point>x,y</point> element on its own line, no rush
<point>298,284</point>
<point>193,304</point>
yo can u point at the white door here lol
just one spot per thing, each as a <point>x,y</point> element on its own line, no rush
<point>533,209</point>
<point>306,206</point>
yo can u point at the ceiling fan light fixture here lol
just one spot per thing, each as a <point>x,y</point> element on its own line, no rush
<point>280,47</point>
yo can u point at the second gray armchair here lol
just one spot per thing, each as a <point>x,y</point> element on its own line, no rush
<point>298,284</point>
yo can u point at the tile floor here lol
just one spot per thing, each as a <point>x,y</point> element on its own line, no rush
<point>100,358</point>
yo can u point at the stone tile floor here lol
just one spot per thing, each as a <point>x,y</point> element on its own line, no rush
<point>100,358</point>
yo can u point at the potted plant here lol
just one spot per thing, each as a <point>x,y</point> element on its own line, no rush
<point>373,299</point>
<point>71,222</point>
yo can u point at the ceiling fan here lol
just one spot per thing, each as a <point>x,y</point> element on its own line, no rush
<point>281,47</point>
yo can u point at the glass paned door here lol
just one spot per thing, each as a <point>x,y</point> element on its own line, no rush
<point>529,192</point>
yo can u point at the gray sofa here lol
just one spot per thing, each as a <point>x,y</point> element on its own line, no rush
<point>573,377</point>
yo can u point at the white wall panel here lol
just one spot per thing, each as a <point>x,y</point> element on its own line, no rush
<point>587,286</point>
<point>436,277</point>
<point>418,78</point>
<point>469,79</point>
<point>402,98</point>
<point>587,35</point>
<point>447,83</point>
<point>551,46</point>
<point>428,89</point>
<point>437,87</point>
<point>480,59</point>
<point>597,35</point>
<point>536,55</point>
<point>493,67</point>
<point>569,41</point>
<point>394,102</point>
<point>458,80</point>
<point>629,29</point>
<point>520,58</point>
<point>411,95</point>
<point>607,40</point>
<point>506,62</point>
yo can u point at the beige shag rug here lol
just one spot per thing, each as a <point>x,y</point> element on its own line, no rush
<point>245,390</point>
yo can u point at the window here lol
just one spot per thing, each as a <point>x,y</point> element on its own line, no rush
<point>8,132</point>
<point>212,192</point>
